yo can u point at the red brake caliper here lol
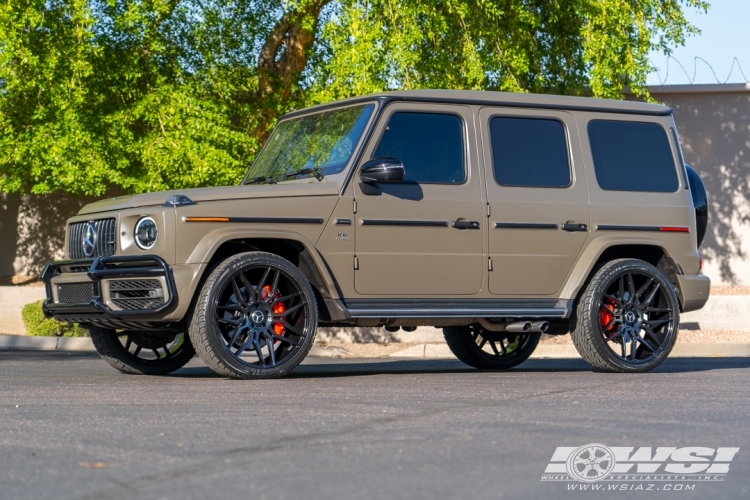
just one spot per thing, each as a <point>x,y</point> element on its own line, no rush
<point>278,308</point>
<point>606,314</point>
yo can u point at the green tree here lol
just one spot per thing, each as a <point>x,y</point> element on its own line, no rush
<point>159,94</point>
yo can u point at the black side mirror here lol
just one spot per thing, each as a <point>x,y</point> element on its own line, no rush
<point>382,170</point>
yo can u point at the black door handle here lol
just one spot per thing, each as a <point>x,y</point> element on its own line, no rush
<point>466,224</point>
<point>571,226</point>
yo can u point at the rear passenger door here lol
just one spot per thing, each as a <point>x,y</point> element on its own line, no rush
<point>536,189</point>
<point>412,237</point>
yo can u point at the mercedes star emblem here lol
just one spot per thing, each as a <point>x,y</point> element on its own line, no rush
<point>88,242</point>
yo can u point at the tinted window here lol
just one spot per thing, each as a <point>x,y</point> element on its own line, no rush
<point>529,152</point>
<point>430,145</point>
<point>630,156</point>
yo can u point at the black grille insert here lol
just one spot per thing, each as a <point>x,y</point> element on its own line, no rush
<point>137,294</point>
<point>106,238</point>
<point>75,293</point>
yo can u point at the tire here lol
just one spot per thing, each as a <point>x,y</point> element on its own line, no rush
<point>478,347</point>
<point>627,318</point>
<point>255,317</point>
<point>143,353</point>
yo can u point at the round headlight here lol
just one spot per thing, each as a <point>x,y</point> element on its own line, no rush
<point>145,233</point>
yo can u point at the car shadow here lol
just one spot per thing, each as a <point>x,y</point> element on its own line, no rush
<point>332,368</point>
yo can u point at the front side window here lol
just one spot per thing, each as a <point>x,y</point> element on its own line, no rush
<point>529,152</point>
<point>323,142</point>
<point>632,156</point>
<point>430,145</point>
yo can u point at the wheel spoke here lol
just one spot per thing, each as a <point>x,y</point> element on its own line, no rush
<point>643,288</point>
<point>156,353</point>
<point>269,344</point>
<point>137,350</point>
<point>229,308</point>
<point>286,297</point>
<point>244,345</point>
<point>482,342</point>
<point>494,347</point>
<point>281,338</point>
<point>167,353</point>
<point>645,344</point>
<point>650,333</point>
<point>264,278</point>
<point>238,294</point>
<point>230,321</point>
<point>275,285</point>
<point>622,348</point>
<point>289,311</point>
<point>251,295</point>
<point>128,343</point>
<point>651,295</point>
<point>290,328</point>
<point>633,347</point>
<point>657,322</point>
<point>631,289</point>
<point>235,336</point>
<point>621,290</point>
<point>259,352</point>
<point>657,310</point>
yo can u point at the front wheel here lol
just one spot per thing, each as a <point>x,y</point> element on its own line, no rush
<point>143,352</point>
<point>488,350</point>
<point>256,317</point>
<point>627,318</point>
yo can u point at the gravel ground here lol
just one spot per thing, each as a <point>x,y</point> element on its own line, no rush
<point>730,290</point>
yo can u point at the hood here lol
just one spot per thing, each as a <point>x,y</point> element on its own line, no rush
<point>286,189</point>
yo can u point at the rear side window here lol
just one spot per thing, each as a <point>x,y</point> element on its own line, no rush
<point>529,152</point>
<point>632,156</point>
<point>430,145</point>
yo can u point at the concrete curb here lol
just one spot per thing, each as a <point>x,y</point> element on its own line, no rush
<point>568,351</point>
<point>18,342</point>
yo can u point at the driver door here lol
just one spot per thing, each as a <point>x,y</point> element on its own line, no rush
<point>423,235</point>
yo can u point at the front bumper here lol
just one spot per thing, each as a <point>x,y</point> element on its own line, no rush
<point>96,277</point>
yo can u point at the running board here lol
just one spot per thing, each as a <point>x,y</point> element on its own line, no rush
<point>441,308</point>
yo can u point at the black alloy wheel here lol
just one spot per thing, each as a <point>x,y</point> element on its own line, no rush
<point>143,352</point>
<point>628,318</point>
<point>488,350</point>
<point>256,317</point>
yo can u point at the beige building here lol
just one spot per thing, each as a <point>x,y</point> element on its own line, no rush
<point>714,125</point>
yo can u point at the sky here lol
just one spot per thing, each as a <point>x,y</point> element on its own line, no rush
<point>725,35</point>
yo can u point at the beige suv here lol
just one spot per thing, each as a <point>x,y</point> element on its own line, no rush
<point>496,217</point>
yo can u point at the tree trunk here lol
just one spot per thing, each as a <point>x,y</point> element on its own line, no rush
<point>282,60</point>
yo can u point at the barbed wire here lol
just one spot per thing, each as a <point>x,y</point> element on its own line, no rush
<point>695,70</point>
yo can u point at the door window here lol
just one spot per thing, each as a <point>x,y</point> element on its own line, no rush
<point>529,152</point>
<point>430,145</point>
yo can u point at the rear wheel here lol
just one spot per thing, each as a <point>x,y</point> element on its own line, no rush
<point>256,317</point>
<point>488,350</point>
<point>143,352</point>
<point>627,318</point>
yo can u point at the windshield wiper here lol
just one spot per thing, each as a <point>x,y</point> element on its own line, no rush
<point>261,179</point>
<point>316,172</point>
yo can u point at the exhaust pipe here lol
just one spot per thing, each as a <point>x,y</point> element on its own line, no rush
<point>539,326</point>
<point>519,326</point>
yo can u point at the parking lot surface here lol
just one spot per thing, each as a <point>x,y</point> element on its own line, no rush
<point>71,427</point>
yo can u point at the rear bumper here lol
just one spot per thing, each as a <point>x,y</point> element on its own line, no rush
<point>694,291</point>
<point>98,310</point>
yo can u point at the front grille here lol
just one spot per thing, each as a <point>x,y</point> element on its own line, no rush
<point>133,295</point>
<point>75,293</point>
<point>106,238</point>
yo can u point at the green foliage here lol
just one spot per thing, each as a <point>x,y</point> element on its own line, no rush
<point>36,324</point>
<point>159,94</point>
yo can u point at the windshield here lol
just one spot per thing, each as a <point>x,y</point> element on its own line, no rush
<point>319,144</point>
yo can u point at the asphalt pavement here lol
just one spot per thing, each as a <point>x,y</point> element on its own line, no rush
<point>73,428</point>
